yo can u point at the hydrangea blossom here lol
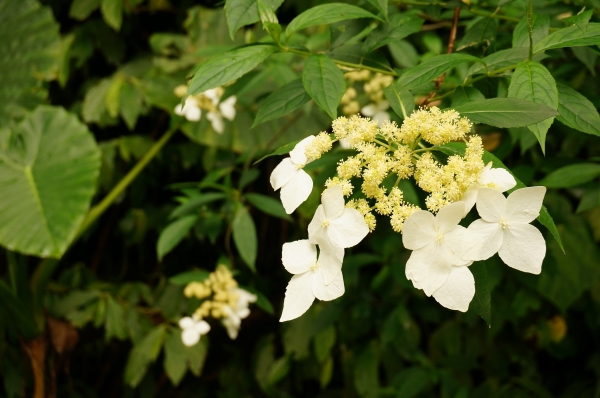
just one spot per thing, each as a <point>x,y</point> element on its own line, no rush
<point>504,228</point>
<point>309,280</point>
<point>498,179</point>
<point>193,328</point>
<point>234,315</point>
<point>295,183</point>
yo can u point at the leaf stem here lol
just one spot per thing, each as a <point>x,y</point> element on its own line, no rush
<point>530,29</point>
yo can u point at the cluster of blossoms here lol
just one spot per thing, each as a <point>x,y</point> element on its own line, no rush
<point>442,250</point>
<point>222,300</point>
<point>210,102</point>
<point>373,88</point>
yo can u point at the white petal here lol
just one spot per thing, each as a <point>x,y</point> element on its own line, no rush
<point>192,114</point>
<point>330,291</point>
<point>344,143</point>
<point>454,243</point>
<point>298,296</point>
<point>216,121</point>
<point>190,337</point>
<point>284,172</point>
<point>381,117</point>
<point>297,154</point>
<point>348,229</point>
<point>428,267</point>
<point>458,290</point>
<point>212,95</point>
<point>418,230</point>
<point>523,205</point>
<point>245,296</point>
<point>501,177</point>
<point>523,248</point>
<point>178,110</point>
<point>470,197</point>
<point>296,191</point>
<point>316,232</point>
<point>491,205</point>
<point>186,322</point>
<point>333,202</point>
<point>330,261</point>
<point>298,256</point>
<point>369,110</point>
<point>243,312</point>
<point>202,327</point>
<point>227,107</point>
<point>232,329</point>
<point>485,239</point>
<point>449,216</point>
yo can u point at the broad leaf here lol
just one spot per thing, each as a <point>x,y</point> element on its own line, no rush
<point>244,12</point>
<point>227,67</point>
<point>174,233</point>
<point>115,320</point>
<point>570,37</point>
<point>192,204</point>
<point>499,59</point>
<point>244,236</point>
<point>81,9</point>
<point>576,111</point>
<point>324,82</point>
<point>281,102</point>
<point>432,68</point>
<point>482,31</point>
<point>268,205</point>
<point>482,302</point>
<point>112,12</point>
<point>381,6</point>
<point>399,27</point>
<point>466,94</point>
<point>540,27</point>
<point>505,112</point>
<point>282,150</point>
<point>572,175</point>
<point>48,170</point>
<point>533,82</point>
<point>401,101</point>
<point>143,354</point>
<point>326,14</point>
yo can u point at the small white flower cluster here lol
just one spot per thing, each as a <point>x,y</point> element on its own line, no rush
<point>209,101</point>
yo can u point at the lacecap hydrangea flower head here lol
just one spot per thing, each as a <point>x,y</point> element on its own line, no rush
<point>442,250</point>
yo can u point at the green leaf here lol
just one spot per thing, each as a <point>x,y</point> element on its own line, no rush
<point>576,111</point>
<point>587,56</point>
<point>324,82</point>
<point>112,12</point>
<point>268,205</point>
<point>282,150</point>
<point>502,59</point>
<point>131,104</point>
<point>174,363</point>
<point>278,370</point>
<point>262,301</point>
<point>432,68</point>
<point>326,14</point>
<point>115,320</point>
<point>366,372</point>
<point>400,26</point>
<point>531,81</point>
<point>572,175</point>
<point>410,382</point>
<point>184,278</point>
<point>481,303</point>
<point>505,112</point>
<point>540,27</point>
<point>401,101</point>
<point>466,94</point>
<point>580,20</point>
<point>482,31</point>
<point>324,342</point>
<point>192,204</point>
<point>143,354</point>
<point>244,12</point>
<point>48,169</point>
<point>81,9</point>
<point>174,233</point>
<point>227,67</point>
<point>244,236</point>
<point>570,37</point>
<point>381,6</point>
<point>20,314</point>
<point>281,102</point>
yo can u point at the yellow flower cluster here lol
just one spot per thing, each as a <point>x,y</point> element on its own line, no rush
<point>374,87</point>
<point>434,126</point>
<point>349,103</point>
<point>318,146</point>
<point>221,286</point>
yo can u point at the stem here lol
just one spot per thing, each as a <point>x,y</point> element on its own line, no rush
<point>530,28</point>
<point>101,207</point>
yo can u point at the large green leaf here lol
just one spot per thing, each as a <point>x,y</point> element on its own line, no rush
<point>465,94</point>
<point>244,12</point>
<point>572,175</point>
<point>143,354</point>
<point>326,14</point>
<point>268,205</point>
<point>399,27</point>
<point>533,82</point>
<point>432,68</point>
<point>48,169</point>
<point>174,233</point>
<point>576,111</point>
<point>227,67</point>
<point>324,82</point>
<point>401,101</point>
<point>281,102</point>
<point>29,49</point>
<point>570,37</point>
<point>244,236</point>
<point>505,112</point>
<point>540,28</point>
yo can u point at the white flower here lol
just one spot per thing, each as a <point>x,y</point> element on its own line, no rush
<point>190,110</point>
<point>498,179</point>
<point>335,227</point>
<point>377,111</point>
<point>457,291</point>
<point>308,282</point>
<point>193,328</point>
<point>233,316</point>
<point>226,109</point>
<point>294,182</point>
<point>504,228</point>
<point>437,243</point>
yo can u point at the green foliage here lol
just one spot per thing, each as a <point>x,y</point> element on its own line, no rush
<point>324,82</point>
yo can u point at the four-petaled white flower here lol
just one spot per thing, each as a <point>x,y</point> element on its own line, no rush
<point>193,328</point>
<point>498,179</point>
<point>504,228</point>
<point>437,243</point>
<point>233,316</point>
<point>377,111</point>
<point>190,109</point>
<point>294,182</point>
<point>335,227</point>
<point>309,280</point>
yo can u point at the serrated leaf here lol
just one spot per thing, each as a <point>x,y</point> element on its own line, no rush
<point>481,303</point>
<point>576,111</point>
<point>326,14</point>
<point>540,26</point>
<point>173,234</point>
<point>401,101</point>
<point>399,27</point>
<point>184,278</point>
<point>466,94</point>
<point>501,59</point>
<point>81,9</point>
<point>112,12</point>
<point>268,205</point>
<point>432,68</point>
<point>227,67</point>
<point>531,81</point>
<point>324,82</point>
<point>505,112</point>
<point>48,169</point>
<point>281,102</point>
<point>245,12</point>
<point>482,31</point>
<point>244,237</point>
<point>381,6</point>
<point>580,20</point>
<point>572,175</point>
<point>570,37</point>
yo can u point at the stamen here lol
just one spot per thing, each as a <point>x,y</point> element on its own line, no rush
<point>325,223</point>
<point>439,238</point>
<point>314,267</point>
<point>504,223</point>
